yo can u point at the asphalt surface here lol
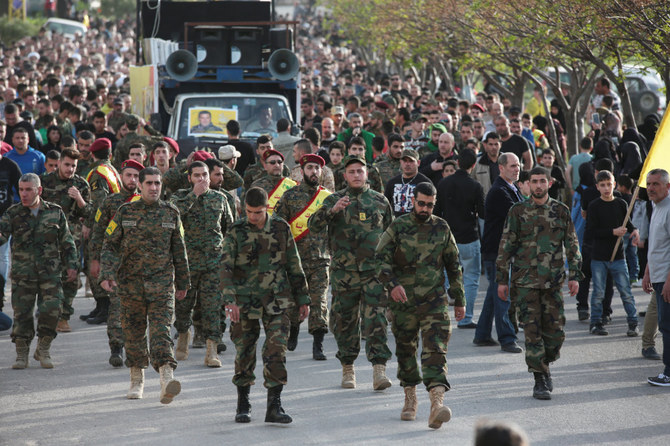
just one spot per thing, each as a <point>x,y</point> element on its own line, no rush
<point>601,395</point>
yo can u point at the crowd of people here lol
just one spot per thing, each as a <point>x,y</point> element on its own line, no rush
<point>393,196</point>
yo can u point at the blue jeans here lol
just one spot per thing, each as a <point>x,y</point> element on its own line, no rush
<point>494,308</point>
<point>470,257</point>
<point>4,259</point>
<point>663,324</point>
<point>5,322</point>
<point>619,271</point>
<point>630,252</point>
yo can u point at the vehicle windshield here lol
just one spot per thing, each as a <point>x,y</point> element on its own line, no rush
<point>66,28</point>
<point>207,116</point>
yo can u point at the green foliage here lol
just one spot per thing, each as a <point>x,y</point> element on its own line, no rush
<point>112,9</point>
<point>13,30</point>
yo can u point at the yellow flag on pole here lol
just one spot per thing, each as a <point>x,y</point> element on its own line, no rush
<point>659,155</point>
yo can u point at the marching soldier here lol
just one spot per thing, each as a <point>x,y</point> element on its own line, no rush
<point>274,183</point>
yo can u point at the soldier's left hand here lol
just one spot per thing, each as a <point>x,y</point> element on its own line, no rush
<point>180,294</point>
<point>303,312</point>
<point>459,313</point>
<point>573,286</point>
<point>74,193</point>
<point>85,232</point>
<point>398,294</point>
<point>71,275</point>
<point>503,291</point>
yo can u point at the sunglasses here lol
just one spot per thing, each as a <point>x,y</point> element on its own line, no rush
<point>275,162</point>
<point>425,204</point>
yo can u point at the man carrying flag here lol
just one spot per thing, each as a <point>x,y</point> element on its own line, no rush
<point>296,206</point>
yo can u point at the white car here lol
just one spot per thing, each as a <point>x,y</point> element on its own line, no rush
<point>68,28</point>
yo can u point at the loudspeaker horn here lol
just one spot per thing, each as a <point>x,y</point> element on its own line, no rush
<point>283,64</point>
<point>181,65</point>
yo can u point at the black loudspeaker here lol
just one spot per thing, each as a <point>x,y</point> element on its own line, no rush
<point>211,46</point>
<point>245,47</point>
<point>281,38</point>
<point>283,65</point>
<point>181,65</point>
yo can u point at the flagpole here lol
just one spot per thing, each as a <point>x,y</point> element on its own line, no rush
<point>625,221</point>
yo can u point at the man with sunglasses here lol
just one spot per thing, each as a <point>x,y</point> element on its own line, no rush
<point>419,300</point>
<point>274,183</point>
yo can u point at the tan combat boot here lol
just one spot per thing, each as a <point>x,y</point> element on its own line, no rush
<point>170,387</point>
<point>438,413</point>
<point>379,379</point>
<point>136,383</point>
<point>348,377</point>
<point>211,359</point>
<point>42,352</point>
<point>63,326</point>
<point>181,353</point>
<point>22,351</point>
<point>409,409</point>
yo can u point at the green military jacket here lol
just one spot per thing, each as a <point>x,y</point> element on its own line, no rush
<point>414,254</point>
<point>99,189</point>
<point>256,171</point>
<point>122,149</point>
<point>206,220</point>
<point>146,242</point>
<point>313,247</point>
<point>54,190</point>
<point>84,167</point>
<point>533,241</point>
<point>353,232</point>
<point>103,216</point>
<point>338,176</point>
<point>388,168</point>
<point>42,245</point>
<point>374,179</point>
<point>262,272</point>
<point>176,178</point>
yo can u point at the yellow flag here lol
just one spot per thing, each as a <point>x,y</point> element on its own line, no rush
<point>659,155</point>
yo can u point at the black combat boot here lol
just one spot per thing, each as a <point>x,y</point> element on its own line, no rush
<point>275,413</point>
<point>541,391</point>
<point>94,312</point>
<point>101,317</point>
<point>116,358</point>
<point>317,346</point>
<point>293,337</point>
<point>243,414</point>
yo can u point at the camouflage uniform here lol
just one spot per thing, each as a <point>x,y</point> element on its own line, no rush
<point>535,236</point>
<point>42,247</point>
<point>55,190</point>
<point>374,179</point>
<point>357,293</point>
<point>144,252</point>
<point>327,179</point>
<point>83,167</point>
<point>256,171</point>
<point>414,254</point>
<point>103,216</point>
<point>388,168</point>
<point>263,276</point>
<point>314,255</point>
<point>176,178</point>
<point>122,149</point>
<point>206,219</point>
<point>338,176</point>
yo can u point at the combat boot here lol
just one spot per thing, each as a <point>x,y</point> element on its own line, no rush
<point>275,413</point>
<point>243,414</point>
<point>548,381</point>
<point>438,412</point>
<point>317,347</point>
<point>409,409</point>
<point>94,312</point>
<point>541,390</point>
<point>136,383</point>
<point>211,360</point>
<point>293,338</point>
<point>63,326</point>
<point>22,351</point>
<point>198,339</point>
<point>116,358</point>
<point>170,387</point>
<point>379,379</point>
<point>348,376</point>
<point>103,312</point>
<point>181,352</point>
<point>42,352</point>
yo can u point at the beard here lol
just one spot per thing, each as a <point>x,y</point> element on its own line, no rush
<point>311,181</point>
<point>422,216</point>
<point>540,194</point>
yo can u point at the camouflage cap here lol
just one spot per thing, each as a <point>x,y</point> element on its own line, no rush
<point>354,159</point>
<point>132,121</point>
<point>410,153</point>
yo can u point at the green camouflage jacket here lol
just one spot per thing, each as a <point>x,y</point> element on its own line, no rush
<point>103,216</point>
<point>388,168</point>
<point>54,190</point>
<point>176,178</point>
<point>374,179</point>
<point>256,171</point>
<point>99,189</point>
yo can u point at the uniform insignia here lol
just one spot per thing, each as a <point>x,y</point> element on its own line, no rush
<point>129,223</point>
<point>98,215</point>
<point>361,216</point>
<point>181,230</point>
<point>168,225</point>
<point>111,228</point>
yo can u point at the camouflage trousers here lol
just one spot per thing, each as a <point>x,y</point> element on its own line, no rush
<point>429,317</point>
<point>317,282</point>
<point>197,319</point>
<point>205,289</point>
<point>541,312</point>
<point>99,294</point>
<point>143,300</point>
<point>48,294</point>
<point>359,296</point>
<point>70,288</point>
<point>114,326</point>
<point>245,334</point>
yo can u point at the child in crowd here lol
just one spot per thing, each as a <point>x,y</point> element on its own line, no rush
<point>336,153</point>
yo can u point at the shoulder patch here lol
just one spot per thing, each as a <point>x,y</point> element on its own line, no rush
<point>98,215</point>
<point>111,227</point>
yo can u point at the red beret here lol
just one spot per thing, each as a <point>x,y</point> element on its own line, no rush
<point>172,143</point>
<point>381,104</point>
<point>478,107</point>
<point>311,158</point>
<point>100,144</point>
<point>132,164</point>
<point>272,152</point>
<point>202,155</point>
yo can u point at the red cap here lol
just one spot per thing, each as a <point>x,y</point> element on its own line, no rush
<point>381,104</point>
<point>100,144</point>
<point>311,158</point>
<point>272,152</point>
<point>478,107</point>
<point>172,143</point>
<point>132,164</point>
<point>202,155</point>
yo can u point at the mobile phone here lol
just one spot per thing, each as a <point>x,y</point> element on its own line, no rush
<point>595,118</point>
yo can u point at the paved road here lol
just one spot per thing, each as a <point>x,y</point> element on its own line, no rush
<point>601,396</point>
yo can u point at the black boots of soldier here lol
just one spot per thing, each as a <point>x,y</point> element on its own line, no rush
<point>293,338</point>
<point>243,414</point>
<point>543,386</point>
<point>275,413</point>
<point>99,314</point>
<point>317,346</point>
